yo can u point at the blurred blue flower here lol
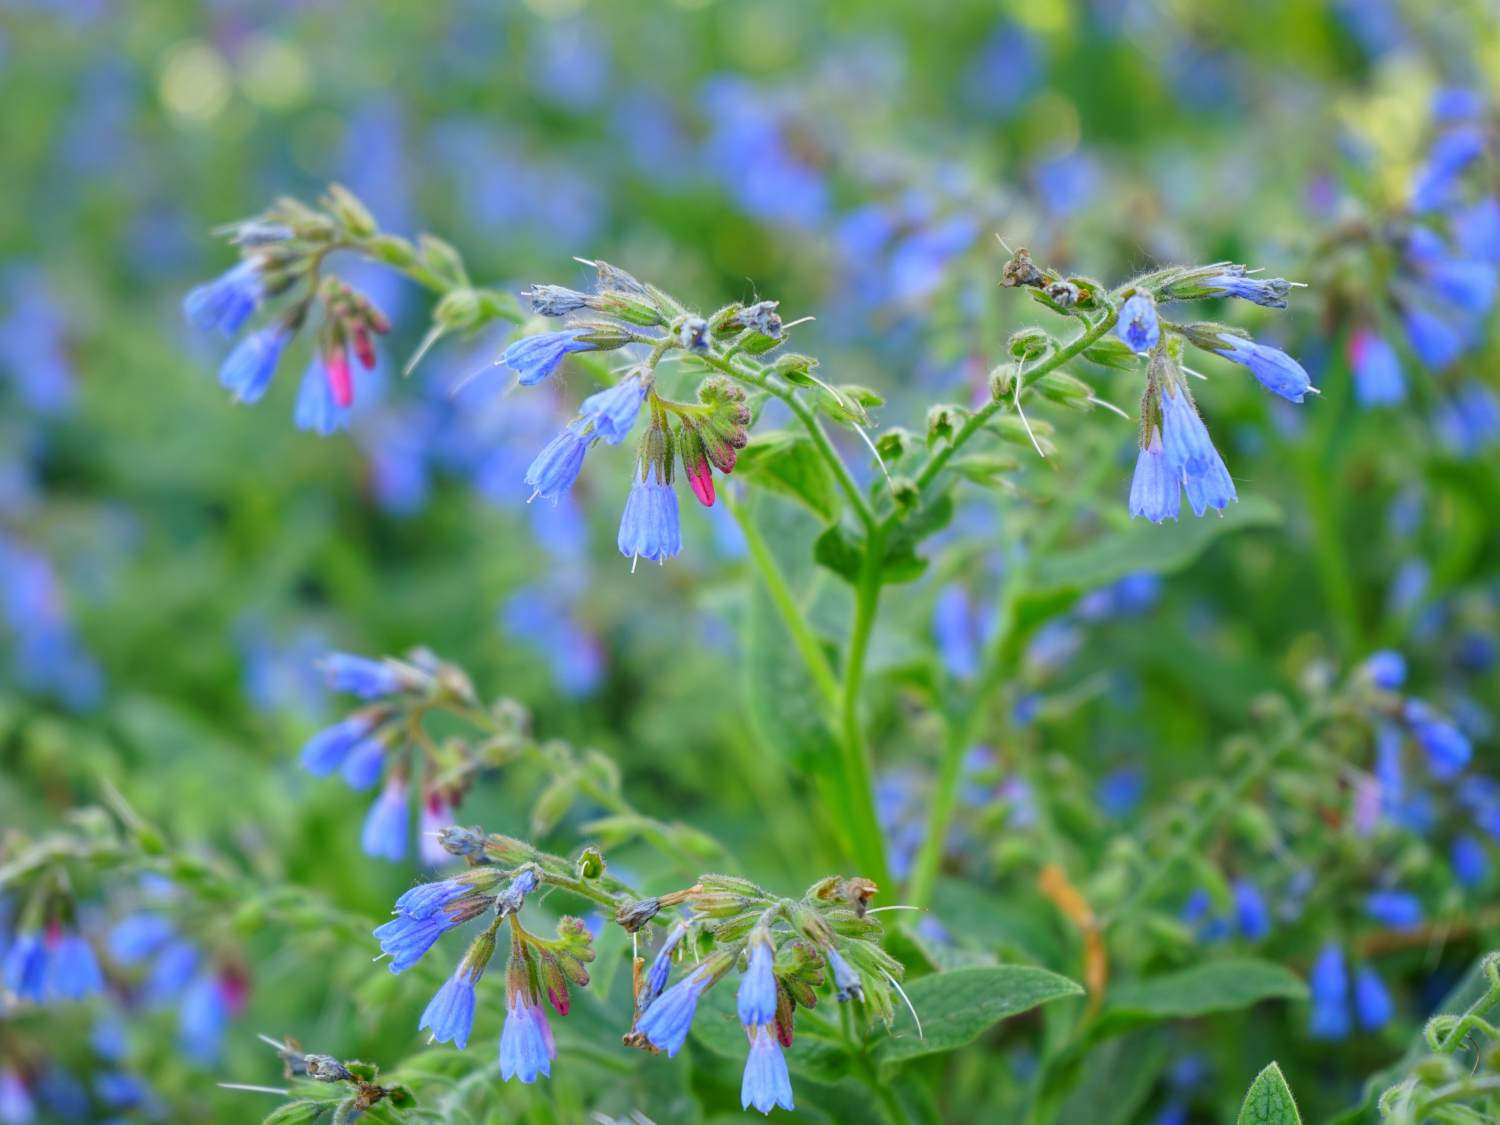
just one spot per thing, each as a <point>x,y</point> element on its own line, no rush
<point>386,824</point>
<point>1397,909</point>
<point>1328,984</point>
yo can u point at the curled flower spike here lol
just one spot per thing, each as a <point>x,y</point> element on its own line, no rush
<point>649,526</point>
<point>1138,324</point>
<point>526,1045</point>
<point>766,1083</point>
<point>1155,490</point>
<point>1277,371</point>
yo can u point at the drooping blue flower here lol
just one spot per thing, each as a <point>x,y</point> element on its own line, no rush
<point>1268,291</point>
<point>201,1018</point>
<point>557,466</point>
<point>1372,1003</point>
<point>364,764</point>
<point>526,1048</point>
<point>247,370</point>
<point>135,937</point>
<point>1378,380</point>
<point>406,939</point>
<point>1386,669</point>
<point>1476,229</point>
<point>449,1015</point>
<point>316,408</point>
<point>384,832</point>
<point>1470,865</point>
<point>1437,180</point>
<point>72,969</point>
<point>17,1107</point>
<point>1190,454</point>
<point>1328,984</point>
<point>533,358</point>
<point>1468,421</point>
<point>613,410</point>
<point>361,676</point>
<point>756,1000</point>
<point>1138,325</point>
<point>26,967</point>
<point>171,971</point>
<point>766,1083</point>
<point>1156,488</point>
<point>1448,751</point>
<point>425,899</point>
<point>1436,341</point>
<point>325,751</point>
<point>649,526</point>
<point>1399,910</point>
<point>846,982</point>
<point>1250,912</point>
<point>226,302</point>
<point>62,1094</point>
<point>667,1021</point>
<point>1277,371</point>
<point>660,968</point>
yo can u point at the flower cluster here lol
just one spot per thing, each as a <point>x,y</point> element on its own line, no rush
<point>785,949</point>
<point>282,251</point>
<point>47,962</point>
<point>384,738</point>
<point>699,437</point>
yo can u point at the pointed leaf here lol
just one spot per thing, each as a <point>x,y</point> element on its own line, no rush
<point>1269,1101</point>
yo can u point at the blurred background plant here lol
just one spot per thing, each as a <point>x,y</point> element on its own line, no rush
<point>1051,705</point>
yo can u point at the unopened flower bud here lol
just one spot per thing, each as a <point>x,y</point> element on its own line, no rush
<point>326,1068</point>
<point>631,916</point>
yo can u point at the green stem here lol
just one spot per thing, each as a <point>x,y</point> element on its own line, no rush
<point>858,787</point>
<point>808,645</point>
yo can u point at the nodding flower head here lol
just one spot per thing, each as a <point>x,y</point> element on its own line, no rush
<point>426,899</point>
<point>650,526</point>
<point>406,938</point>
<point>1378,380</point>
<point>327,750</point>
<point>449,1015</point>
<point>1138,325</point>
<point>756,1000</point>
<point>361,676</point>
<point>316,408</point>
<point>1328,984</point>
<point>227,301</point>
<point>1386,669</point>
<point>846,981</point>
<point>1448,750</point>
<point>1436,341</point>
<point>533,358</point>
<point>1191,455</point>
<point>72,969</point>
<point>656,975</point>
<point>1437,179</point>
<point>526,1046</point>
<point>249,368</point>
<point>385,828</point>
<point>1372,1003</point>
<point>1250,912</point>
<point>557,466</point>
<point>1155,489</point>
<point>26,967</point>
<point>613,410</point>
<point>666,1022</point>
<point>766,1083</point>
<point>1399,910</point>
<point>1235,282</point>
<point>1277,371</point>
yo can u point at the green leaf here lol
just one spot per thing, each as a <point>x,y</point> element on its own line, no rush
<point>956,1007</point>
<point>791,465</point>
<point>1269,1101</point>
<point>1141,546</point>
<point>842,549</point>
<point>1219,986</point>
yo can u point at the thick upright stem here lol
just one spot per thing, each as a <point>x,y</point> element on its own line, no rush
<point>858,781</point>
